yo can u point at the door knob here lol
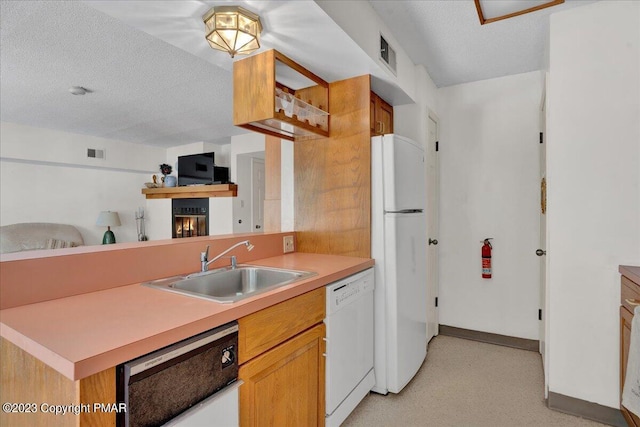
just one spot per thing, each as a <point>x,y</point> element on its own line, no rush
<point>432,241</point>
<point>540,252</point>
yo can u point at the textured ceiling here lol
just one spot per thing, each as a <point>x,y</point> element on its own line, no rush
<point>446,37</point>
<point>154,79</point>
<point>144,90</point>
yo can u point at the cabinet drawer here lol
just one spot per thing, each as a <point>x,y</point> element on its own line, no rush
<point>630,294</point>
<point>269,327</point>
<point>285,385</point>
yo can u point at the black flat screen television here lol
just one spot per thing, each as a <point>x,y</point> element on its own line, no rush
<point>200,169</point>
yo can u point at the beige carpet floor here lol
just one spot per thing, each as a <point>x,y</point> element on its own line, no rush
<point>467,384</point>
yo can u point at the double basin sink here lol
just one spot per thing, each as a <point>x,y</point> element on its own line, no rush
<point>228,285</point>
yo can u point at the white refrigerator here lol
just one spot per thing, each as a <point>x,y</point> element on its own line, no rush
<point>398,245</point>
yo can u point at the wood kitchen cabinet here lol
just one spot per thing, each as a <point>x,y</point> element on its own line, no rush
<point>27,380</point>
<point>282,364</point>
<point>630,297</point>
<point>381,112</point>
<point>284,386</point>
<point>276,96</point>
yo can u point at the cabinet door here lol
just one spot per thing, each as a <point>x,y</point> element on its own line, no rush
<point>386,117</point>
<point>381,121</point>
<point>625,337</point>
<point>285,386</point>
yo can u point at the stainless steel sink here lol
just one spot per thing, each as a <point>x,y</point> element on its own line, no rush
<point>228,285</point>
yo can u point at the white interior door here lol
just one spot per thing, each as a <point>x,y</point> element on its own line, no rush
<point>541,252</point>
<point>257,194</point>
<point>432,209</point>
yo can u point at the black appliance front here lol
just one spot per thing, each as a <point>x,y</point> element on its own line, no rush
<point>199,169</point>
<point>161,385</point>
<point>190,217</point>
<point>196,169</point>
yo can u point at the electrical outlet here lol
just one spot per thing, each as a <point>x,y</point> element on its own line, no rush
<point>288,244</point>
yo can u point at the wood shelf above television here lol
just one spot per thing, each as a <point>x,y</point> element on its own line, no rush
<point>192,191</point>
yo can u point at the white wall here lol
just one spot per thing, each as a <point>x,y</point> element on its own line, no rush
<point>365,31</point>
<point>593,170</point>
<point>410,120</point>
<point>45,176</point>
<point>158,218</point>
<point>489,172</point>
<point>222,150</point>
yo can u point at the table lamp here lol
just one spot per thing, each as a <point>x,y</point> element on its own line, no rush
<point>108,219</point>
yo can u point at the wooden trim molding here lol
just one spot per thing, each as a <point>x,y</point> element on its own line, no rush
<point>484,20</point>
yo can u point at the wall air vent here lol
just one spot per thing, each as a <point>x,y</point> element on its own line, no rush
<point>387,54</point>
<point>95,154</point>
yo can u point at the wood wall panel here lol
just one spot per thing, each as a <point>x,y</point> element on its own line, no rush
<point>333,177</point>
<point>25,379</point>
<point>98,388</point>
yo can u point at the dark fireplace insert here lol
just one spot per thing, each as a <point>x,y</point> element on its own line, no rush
<point>190,217</point>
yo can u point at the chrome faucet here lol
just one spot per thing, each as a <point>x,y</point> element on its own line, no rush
<point>204,262</point>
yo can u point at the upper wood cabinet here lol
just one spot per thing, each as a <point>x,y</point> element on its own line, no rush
<point>276,96</point>
<point>629,298</point>
<point>381,121</point>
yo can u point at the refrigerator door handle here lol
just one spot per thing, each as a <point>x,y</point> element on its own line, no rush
<point>405,211</point>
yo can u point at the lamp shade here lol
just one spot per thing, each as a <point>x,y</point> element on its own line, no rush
<point>108,219</point>
<point>232,29</point>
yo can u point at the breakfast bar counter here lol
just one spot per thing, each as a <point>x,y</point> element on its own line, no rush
<point>84,334</point>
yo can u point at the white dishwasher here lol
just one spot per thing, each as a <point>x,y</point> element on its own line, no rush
<point>349,346</point>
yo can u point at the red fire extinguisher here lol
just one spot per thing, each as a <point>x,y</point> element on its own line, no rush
<point>486,259</point>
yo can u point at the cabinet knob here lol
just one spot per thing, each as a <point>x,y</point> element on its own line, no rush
<point>540,252</point>
<point>258,227</point>
<point>433,241</point>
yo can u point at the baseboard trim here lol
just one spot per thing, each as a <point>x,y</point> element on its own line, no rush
<point>584,409</point>
<point>521,343</point>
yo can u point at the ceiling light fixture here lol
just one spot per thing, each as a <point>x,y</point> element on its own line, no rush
<point>77,90</point>
<point>232,29</point>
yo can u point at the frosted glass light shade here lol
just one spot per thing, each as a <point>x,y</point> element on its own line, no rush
<point>108,219</point>
<point>232,29</point>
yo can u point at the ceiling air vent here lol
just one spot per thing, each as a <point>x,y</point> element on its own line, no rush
<point>95,154</point>
<point>387,54</point>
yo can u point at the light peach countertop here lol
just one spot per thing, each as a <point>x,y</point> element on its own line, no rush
<point>85,334</point>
